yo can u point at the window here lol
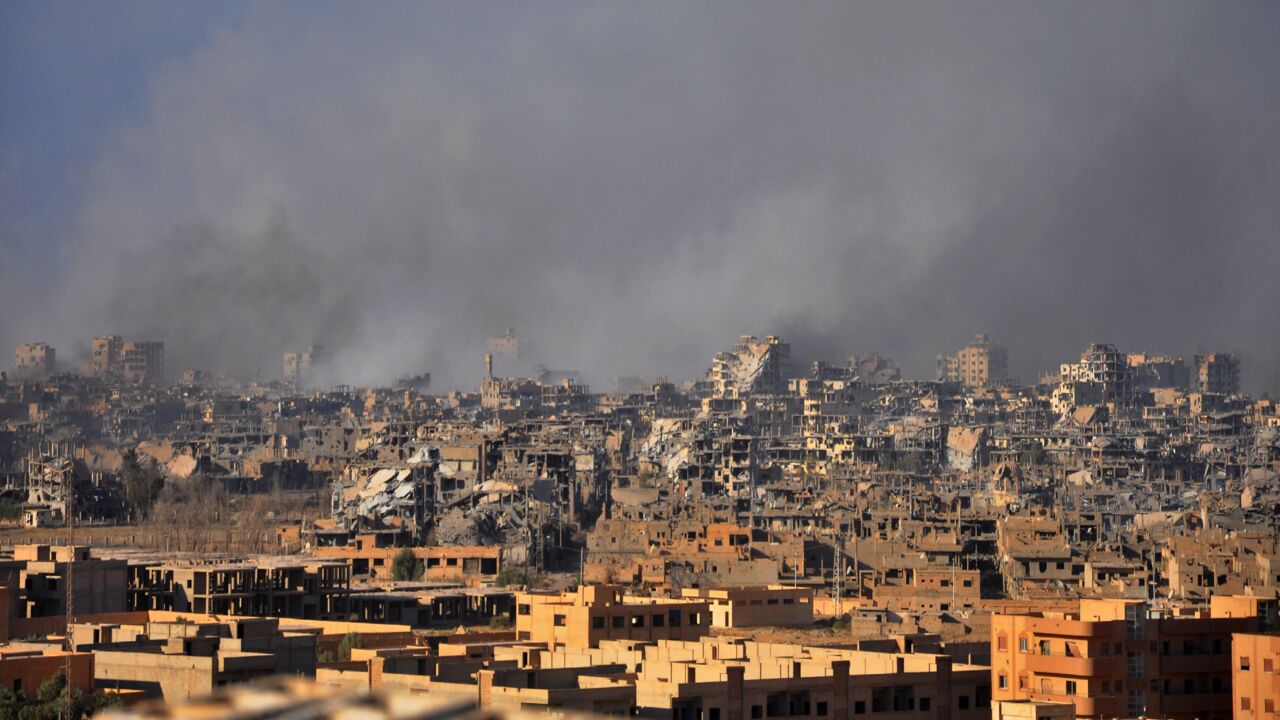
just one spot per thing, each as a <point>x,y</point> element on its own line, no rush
<point>713,714</point>
<point>757,712</point>
<point>1244,662</point>
<point>1044,647</point>
<point>597,623</point>
<point>964,702</point>
<point>673,618</point>
<point>637,621</point>
<point>1002,642</point>
<point>924,704</point>
<point>822,709</point>
<point>1267,666</point>
<point>619,622</point>
<point>1269,706</point>
<point>1245,704</point>
<point>523,609</point>
<point>1022,644</point>
<point>860,707</point>
<point>658,620</point>
<point>1071,687</point>
<point>1003,682</point>
<point>559,620</point>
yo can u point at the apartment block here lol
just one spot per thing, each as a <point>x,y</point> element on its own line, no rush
<point>315,590</point>
<point>1120,658</point>
<point>34,360</point>
<point>739,607</point>
<point>981,362</point>
<point>1218,373</point>
<point>447,563</point>
<point>52,580</point>
<point>130,361</point>
<point>593,613</point>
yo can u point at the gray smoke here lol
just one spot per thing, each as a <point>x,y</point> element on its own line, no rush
<point>633,185</point>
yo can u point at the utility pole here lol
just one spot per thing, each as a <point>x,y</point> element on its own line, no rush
<point>70,509</point>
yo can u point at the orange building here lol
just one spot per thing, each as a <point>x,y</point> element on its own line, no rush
<point>1118,658</point>
<point>1255,676</point>
<point>456,563</point>
<point>26,669</point>
<point>583,617</point>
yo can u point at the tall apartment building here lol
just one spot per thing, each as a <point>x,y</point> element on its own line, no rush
<point>1255,676</point>
<point>1159,371</point>
<point>1119,658</point>
<point>299,366</point>
<point>135,361</point>
<point>753,366</point>
<point>34,360</point>
<point>1218,373</point>
<point>981,362</point>
<point>1107,368</point>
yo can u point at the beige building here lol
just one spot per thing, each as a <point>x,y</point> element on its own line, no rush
<point>753,607</point>
<point>300,367</point>
<point>1218,373</point>
<point>134,361</point>
<point>182,660</point>
<point>34,360</point>
<point>594,613</point>
<point>315,590</point>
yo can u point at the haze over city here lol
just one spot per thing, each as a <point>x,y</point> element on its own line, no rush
<point>634,185</point>
<point>493,360</point>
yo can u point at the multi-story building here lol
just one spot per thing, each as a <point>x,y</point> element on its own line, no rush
<point>315,590</point>
<point>33,360</point>
<point>592,613</point>
<point>1255,676</point>
<point>1218,373</point>
<point>51,580</point>
<point>454,563</point>
<point>134,361</point>
<point>184,658</point>
<point>1106,366</point>
<point>756,606</point>
<point>299,367</point>
<point>981,362</point>
<point>753,366</point>
<point>1120,658</point>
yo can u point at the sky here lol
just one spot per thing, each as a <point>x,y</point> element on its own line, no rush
<point>634,185</point>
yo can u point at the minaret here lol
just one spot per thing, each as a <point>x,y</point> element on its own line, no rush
<point>488,366</point>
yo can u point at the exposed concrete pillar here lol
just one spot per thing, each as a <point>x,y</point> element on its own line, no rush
<point>376,666</point>
<point>942,700</point>
<point>840,690</point>
<point>484,687</point>
<point>735,674</point>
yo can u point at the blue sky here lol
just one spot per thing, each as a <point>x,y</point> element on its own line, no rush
<point>70,75</point>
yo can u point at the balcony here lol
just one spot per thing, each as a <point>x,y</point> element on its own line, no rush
<point>1093,705</point>
<point>1075,666</point>
<point>1183,664</point>
<point>1183,703</point>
